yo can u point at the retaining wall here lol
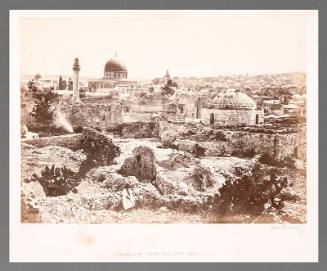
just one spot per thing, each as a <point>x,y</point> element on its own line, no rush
<point>71,141</point>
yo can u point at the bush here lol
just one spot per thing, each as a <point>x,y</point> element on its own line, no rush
<point>286,162</point>
<point>252,193</point>
<point>57,181</point>
<point>43,111</point>
<point>99,152</point>
<point>202,178</point>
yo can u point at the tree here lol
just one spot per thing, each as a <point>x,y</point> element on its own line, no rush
<point>43,111</point>
<point>64,84</point>
<point>60,83</point>
<point>37,76</point>
<point>70,84</point>
<point>167,91</point>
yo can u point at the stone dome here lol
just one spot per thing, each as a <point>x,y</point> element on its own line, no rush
<point>234,99</point>
<point>114,65</point>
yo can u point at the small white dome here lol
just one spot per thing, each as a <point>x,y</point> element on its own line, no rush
<point>234,99</point>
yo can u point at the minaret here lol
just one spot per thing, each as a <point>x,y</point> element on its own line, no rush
<point>76,69</point>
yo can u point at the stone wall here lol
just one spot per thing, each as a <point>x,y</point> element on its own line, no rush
<point>139,130</point>
<point>277,145</point>
<point>96,115</point>
<point>231,117</point>
<point>71,141</point>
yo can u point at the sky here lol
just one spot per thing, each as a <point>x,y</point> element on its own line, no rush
<point>150,42</point>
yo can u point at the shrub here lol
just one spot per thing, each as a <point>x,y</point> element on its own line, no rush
<point>99,152</point>
<point>57,181</point>
<point>43,111</point>
<point>252,193</point>
<point>202,178</point>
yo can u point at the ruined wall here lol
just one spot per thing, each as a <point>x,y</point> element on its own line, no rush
<point>71,141</point>
<point>130,117</point>
<point>278,145</point>
<point>231,117</point>
<point>96,115</point>
<point>139,130</point>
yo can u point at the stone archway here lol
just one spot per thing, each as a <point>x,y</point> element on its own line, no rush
<point>212,118</point>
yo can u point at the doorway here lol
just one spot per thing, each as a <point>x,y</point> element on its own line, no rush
<point>212,118</point>
<point>256,119</point>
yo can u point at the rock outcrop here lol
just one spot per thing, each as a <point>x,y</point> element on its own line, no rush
<point>141,165</point>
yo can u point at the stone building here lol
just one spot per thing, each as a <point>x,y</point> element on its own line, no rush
<point>114,77</point>
<point>232,107</point>
<point>272,107</point>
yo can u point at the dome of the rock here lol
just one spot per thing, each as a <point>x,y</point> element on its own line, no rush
<point>114,69</point>
<point>114,65</point>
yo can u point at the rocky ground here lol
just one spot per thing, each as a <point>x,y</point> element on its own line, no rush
<point>178,192</point>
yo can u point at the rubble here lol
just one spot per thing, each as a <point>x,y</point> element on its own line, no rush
<point>111,180</point>
<point>36,159</point>
<point>161,179</point>
<point>179,159</point>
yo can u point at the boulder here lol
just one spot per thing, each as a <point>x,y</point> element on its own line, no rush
<point>141,164</point>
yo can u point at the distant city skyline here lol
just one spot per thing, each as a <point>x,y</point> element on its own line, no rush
<point>199,44</point>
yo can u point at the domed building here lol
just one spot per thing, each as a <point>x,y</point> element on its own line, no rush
<point>232,107</point>
<point>114,79</point>
<point>114,69</point>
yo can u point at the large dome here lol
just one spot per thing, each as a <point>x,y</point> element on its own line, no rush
<point>233,99</point>
<point>114,65</point>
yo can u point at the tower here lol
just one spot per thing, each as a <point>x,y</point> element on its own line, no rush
<point>167,77</point>
<point>76,69</point>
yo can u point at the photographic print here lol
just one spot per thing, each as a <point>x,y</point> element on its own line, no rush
<point>163,117</point>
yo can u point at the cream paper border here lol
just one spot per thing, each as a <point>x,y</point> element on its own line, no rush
<point>158,242</point>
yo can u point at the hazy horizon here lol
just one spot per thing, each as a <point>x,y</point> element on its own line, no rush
<point>195,44</point>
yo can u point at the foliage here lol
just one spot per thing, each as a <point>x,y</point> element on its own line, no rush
<point>62,83</point>
<point>82,92</point>
<point>37,76</point>
<point>202,177</point>
<point>167,91</point>
<point>99,152</point>
<point>252,193</point>
<point>43,111</point>
<point>288,162</point>
<point>70,84</point>
<point>57,181</point>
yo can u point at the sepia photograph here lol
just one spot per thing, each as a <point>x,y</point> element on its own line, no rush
<point>123,123</point>
<point>163,117</point>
